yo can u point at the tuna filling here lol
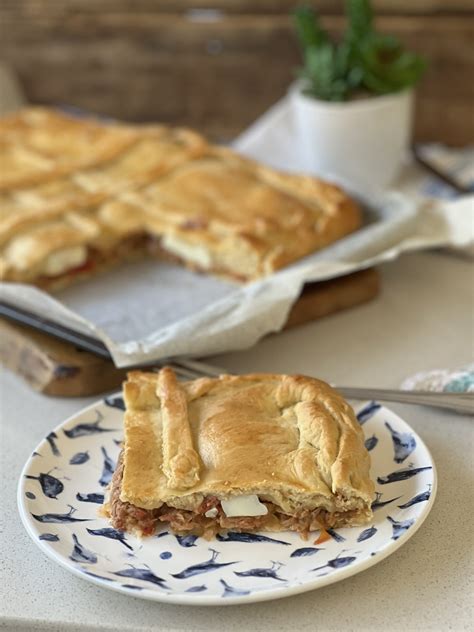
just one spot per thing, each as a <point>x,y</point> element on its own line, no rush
<point>128,517</point>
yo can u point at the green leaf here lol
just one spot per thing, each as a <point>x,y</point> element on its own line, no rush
<point>361,17</point>
<point>387,68</point>
<point>321,73</point>
<point>308,29</point>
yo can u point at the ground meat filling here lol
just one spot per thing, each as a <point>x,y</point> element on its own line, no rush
<point>125,516</point>
<point>128,517</point>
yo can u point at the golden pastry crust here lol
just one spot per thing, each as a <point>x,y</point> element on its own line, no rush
<point>180,460</point>
<point>66,183</point>
<point>38,144</point>
<point>291,440</point>
<point>222,212</point>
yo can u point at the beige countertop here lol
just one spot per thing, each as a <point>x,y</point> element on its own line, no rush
<point>423,319</point>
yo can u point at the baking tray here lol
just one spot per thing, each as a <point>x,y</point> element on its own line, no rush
<point>35,321</point>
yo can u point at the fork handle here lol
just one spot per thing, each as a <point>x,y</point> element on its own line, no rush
<point>459,402</point>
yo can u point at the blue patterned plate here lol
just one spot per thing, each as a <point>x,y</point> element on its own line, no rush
<point>63,483</point>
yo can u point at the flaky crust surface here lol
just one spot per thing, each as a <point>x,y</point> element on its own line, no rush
<point>292,440</point>
<point>68,183</point>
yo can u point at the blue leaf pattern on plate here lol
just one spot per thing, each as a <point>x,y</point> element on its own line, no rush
<point>234,536</point>
<point>203,567</point>
<point>239,566</point>
<point>304,551</point>
<point>229,591</point>
<point>399,528</point>
<point>419,498</point>
<point>115,401</point>
<point>366,534</point>
<point>86,429</point>
<point>266,573</point>
<point>51,440</point>
<point>80,553</point>
<point>112,534</point>
<point>58,518</point>
<point>337,562</point>
<point>50,485</point>
<point>371,442</point>
<point>186,540</point>
<point>378,504</point>
<point>367,412</point>
<point>79,458</point>
<point>403,443</point>
<point>144,574</point>
<point>90,498</point>
<point>108,469</point>
<point>200,588</point>
<point>49,537</point>
<point>401,475</point>
<point>335,535</point>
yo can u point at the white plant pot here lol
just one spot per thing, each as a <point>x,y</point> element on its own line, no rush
<point>362,141</point>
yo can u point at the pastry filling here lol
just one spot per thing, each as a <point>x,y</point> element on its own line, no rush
<point>210,517</point>
<point>65,264</point>
<point>68,263</point>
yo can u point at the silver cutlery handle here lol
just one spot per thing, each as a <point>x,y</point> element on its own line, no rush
<point>458,402</point>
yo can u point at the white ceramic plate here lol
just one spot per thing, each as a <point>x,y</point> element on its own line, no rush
<point>62,486</point>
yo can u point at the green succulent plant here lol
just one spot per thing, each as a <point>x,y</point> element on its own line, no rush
<point>364,60</point>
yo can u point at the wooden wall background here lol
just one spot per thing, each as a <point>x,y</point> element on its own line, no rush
<point>217,64</point>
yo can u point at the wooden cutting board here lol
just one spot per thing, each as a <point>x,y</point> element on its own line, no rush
<point>57,368</point>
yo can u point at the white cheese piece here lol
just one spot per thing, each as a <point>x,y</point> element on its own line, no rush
<point>189,252</point>
<point>212,513</point>
<point>243,506</point>
<point>63,260</point>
